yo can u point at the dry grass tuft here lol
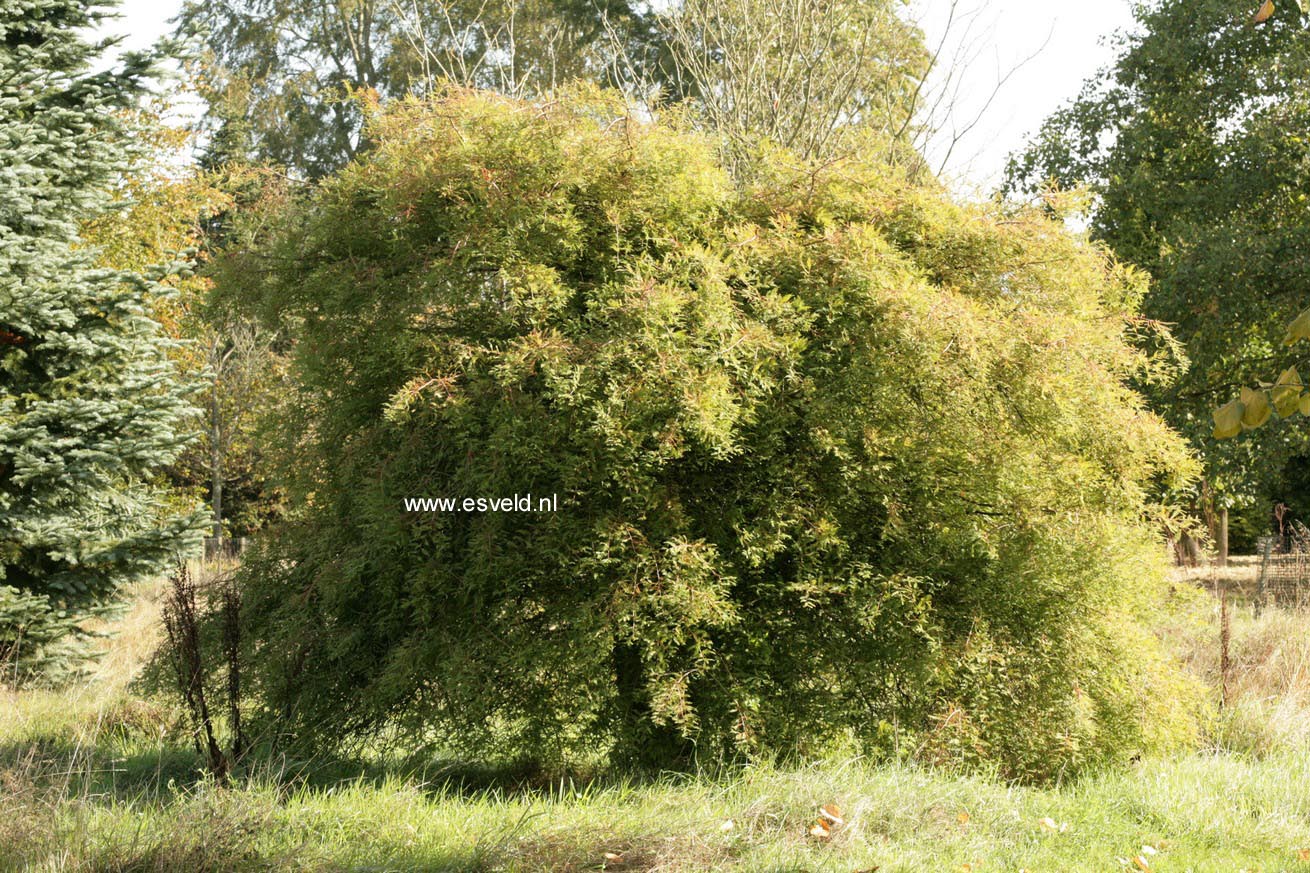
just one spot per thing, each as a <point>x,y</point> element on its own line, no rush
<point>130,639</point>
<point>27,812</point>
<point>1269,668</point>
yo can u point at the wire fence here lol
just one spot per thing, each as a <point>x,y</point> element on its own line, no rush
<point>1284,578</point>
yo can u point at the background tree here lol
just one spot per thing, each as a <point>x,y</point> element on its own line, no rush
<point>91,408</point>
<point>281,75</point>
<point>245,368</point>
<point>796,72</point>
<point>834,456</point>
<point>166,206</point>
<point>1194,147</point>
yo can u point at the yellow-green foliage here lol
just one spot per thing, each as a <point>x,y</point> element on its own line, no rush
<point>160,204</point>
<point>837,458</point>
<point>162,207</point>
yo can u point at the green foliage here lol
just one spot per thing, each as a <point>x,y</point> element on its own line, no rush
<point>1253,405</point>
<point>282,75</point>
<point>38,642</point>
<point>289,82</point>
<point>90,408</point>
<point>836,457</point>
<point>1194,144</point>
<point>160,211</point>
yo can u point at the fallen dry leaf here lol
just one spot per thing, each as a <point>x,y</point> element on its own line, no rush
<point>821,830</point>
<point>962,818</point>
<point>1303,855</point>
<point>1141,863</point>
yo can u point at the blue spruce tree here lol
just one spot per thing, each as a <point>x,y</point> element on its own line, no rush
<point>90,405</point>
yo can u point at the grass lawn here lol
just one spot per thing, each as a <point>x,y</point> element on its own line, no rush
<point>98,778</point>
<point>1198,813</point>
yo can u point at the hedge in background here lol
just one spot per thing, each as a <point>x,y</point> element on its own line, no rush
<point>837,458</point>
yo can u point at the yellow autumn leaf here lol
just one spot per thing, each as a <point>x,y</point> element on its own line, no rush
<point>1264,12</point>
<point>1287,392</point>
<point>1228,420</point>
<point>962,818</point>
<point>1303,855</point>
<point>1256,408</point>
<point>1299,329</point>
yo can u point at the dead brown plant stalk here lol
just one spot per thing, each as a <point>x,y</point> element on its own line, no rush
<point>181,621</point>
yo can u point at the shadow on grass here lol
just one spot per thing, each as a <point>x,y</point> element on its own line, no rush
<point>102,769</point>
<point>155,810</point>
<point>127,799</point>
<point>122,766</point>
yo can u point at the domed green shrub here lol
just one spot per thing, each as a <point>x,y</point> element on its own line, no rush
<point>836,458</point>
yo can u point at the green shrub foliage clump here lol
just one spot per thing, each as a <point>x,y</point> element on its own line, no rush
<point>838,460</point>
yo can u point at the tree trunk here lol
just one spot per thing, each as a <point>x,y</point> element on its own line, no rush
<point>216,462</point>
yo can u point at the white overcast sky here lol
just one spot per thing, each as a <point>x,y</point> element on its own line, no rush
<point>1070,34</point>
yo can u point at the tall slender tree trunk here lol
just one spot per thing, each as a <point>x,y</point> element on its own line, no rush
<point>216,461</point>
